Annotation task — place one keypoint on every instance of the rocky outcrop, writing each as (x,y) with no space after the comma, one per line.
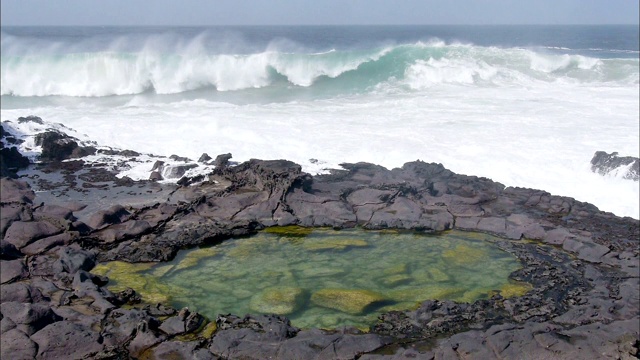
(626,167)
(582,265)
(11,160)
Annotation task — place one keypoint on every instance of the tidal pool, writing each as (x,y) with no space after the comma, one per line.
(324,278)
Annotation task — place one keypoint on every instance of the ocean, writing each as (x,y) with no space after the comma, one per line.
(525,106)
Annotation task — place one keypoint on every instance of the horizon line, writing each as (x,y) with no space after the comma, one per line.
(301,25)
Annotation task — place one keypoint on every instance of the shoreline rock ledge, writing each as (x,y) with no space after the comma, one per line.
(58,222)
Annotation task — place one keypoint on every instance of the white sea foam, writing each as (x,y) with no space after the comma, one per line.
(541,136)
(519,116)
(190,67)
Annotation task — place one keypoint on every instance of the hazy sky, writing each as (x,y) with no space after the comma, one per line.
(315,12)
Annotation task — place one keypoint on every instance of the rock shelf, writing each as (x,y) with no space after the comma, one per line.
(61,219)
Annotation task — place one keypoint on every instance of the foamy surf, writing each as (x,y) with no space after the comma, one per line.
(528,113)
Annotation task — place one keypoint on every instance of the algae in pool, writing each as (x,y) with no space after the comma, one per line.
(324,278)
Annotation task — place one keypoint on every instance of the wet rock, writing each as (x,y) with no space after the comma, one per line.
(349,301)
(30,118)
(179,158)
(66,340)
(11,160)
(204,158)
(56,146)
(155,176)
(222,160)
(277,300)
(628,167)
(176,171)
(334,244)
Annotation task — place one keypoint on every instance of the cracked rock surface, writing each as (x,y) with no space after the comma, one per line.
(581,262)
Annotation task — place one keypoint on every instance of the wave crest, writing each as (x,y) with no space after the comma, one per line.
(418,66)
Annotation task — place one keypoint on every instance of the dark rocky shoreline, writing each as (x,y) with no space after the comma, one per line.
(61,218)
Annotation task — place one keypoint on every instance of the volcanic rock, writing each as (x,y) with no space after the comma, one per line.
(604,163)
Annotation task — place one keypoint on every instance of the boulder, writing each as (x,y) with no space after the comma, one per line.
(21,233)
(29,318)
(56,146)
(628,167)
(113,215)
(277,300)
(73,259)
(67,340)
(12,270)
(348,301)
(16,345)
(15,191)
(222,160)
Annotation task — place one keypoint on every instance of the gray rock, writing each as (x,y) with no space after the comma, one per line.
(176,171)
(16,345)
(66,340)
(114,215)
(6,324)
(12,270)
(56,146)
(22,233)
(604,164)
(204,158)
(170,350)
(144,339)
(8,251)
(15,191)
(222,160)
(28,318)
(73,259)
(48,243)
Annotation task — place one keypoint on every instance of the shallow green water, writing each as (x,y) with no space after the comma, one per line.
(324,278)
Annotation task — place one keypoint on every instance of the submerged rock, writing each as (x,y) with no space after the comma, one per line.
(277,300)
(348,301)
(334,244)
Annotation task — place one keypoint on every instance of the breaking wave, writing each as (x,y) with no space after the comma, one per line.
(47,72)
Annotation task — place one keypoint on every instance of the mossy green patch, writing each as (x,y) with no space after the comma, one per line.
(333,244)
(277,300)
(321,277)
(465,254)
(395,280)
(290,230)
(515,288)
(345,300)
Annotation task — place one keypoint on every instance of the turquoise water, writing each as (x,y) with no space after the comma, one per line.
(324,278)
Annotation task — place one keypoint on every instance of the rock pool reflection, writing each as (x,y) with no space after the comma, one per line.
(324,278)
